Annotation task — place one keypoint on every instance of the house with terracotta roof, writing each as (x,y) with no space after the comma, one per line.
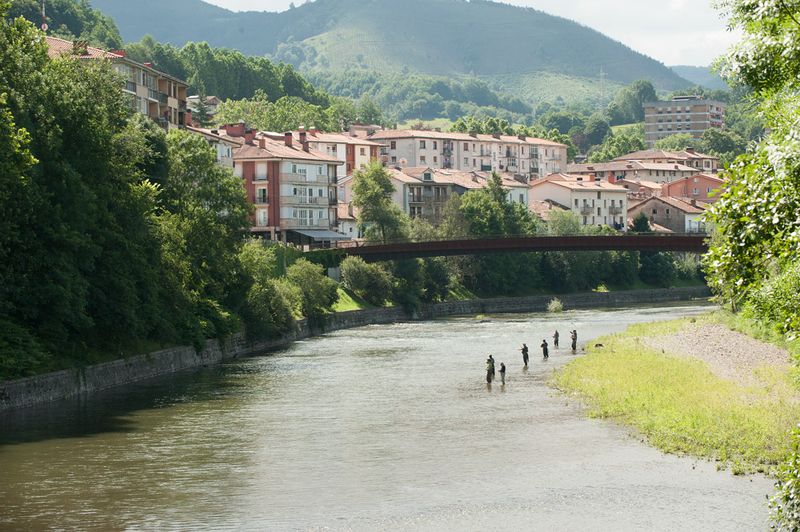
(525,156)
(292,188)
(688,157)
(223,145)
(633,171)
(593,201)
(640,189)
(677,215)
(702,187)
(152,93)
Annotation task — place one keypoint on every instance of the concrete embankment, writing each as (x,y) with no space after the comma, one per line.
(71,382)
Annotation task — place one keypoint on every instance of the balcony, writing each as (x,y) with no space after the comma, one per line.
(262,201)
(130,86)
(586,209)
(162,98)
(152,94)
(615,210)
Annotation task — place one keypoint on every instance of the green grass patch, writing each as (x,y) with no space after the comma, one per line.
(680,406)
(622,128)
(348,302)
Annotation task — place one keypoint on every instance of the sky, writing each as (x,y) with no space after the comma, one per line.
(675,32)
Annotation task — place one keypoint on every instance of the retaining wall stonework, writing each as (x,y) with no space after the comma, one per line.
(71,382)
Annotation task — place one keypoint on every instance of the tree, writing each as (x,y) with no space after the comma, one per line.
(596,130)
(378,215)
(370,282)
(641,224)
(319,293)
(617,145)
(676,142)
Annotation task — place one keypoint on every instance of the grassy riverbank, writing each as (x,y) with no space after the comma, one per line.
(680,405)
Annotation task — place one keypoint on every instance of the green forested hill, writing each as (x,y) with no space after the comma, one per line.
(703,76)
(509,47)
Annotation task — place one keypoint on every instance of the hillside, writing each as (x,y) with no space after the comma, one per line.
(703,76)
(509,47)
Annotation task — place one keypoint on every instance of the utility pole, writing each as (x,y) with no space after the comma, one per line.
(44,17)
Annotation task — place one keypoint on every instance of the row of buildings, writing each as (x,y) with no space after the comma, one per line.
(300,182)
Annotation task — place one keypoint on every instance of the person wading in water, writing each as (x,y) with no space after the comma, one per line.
(574,336)
(524,354)
(555,339)
(502,373)
(489,370)
(545,351)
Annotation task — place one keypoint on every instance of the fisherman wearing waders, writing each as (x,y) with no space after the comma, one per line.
(502,373)
(489,369)
(524,354)
(555,340)
(545,351)
(574,336)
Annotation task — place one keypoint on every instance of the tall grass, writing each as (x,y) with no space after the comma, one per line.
(681,406)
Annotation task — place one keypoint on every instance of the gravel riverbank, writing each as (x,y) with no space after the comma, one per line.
(729,354)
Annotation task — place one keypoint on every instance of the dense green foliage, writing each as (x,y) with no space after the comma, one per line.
(71,19)
(370,282)
(627,105)
(785,504)
(618,144)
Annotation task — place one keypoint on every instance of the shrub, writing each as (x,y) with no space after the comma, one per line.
(436,280)
(601,288)
(555,306)
(21,355)
(777,301)
(318,292)
(370,282)
(269,311)
(657,269)
(785,504)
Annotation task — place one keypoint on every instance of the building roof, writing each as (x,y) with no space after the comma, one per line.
(266,148)
(578,182)
(622,166)
(710,177)
(641,183)
(335,138)
(645,155)
(544,208)
(684,205)
(343,212)
(393,134)
(60,47)
(214,134)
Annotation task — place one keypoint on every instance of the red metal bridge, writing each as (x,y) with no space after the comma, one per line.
(692,243)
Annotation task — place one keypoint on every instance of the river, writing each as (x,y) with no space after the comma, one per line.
(384,427)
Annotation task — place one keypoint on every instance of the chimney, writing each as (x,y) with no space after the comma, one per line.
(689,150)
(313,130)
(522,137)
(120,53)
(694,203)
(303,138)
(234,130)
(287,138)
(187,118)
(262,142)
(249,135)
(148,65)
(496,135)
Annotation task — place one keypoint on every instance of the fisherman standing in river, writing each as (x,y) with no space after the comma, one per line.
(502,373)
(524,354)
(574,336)
(545,351)
(555,339)
(489,369)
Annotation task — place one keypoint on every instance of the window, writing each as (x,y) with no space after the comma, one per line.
(422,144)
(466,161)
(320,192)
(522,198)
(474,163)
(363,151)
(598,211)
(666,212)
(576,202)
(708,190)
(393,145)
(466,146)
(394,159)
(261,218)
(694,192)
(261,196)
(435,145)
(435,159)
(427,176)
(422,158)
(655,211)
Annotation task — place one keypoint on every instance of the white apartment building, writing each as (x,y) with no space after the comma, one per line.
(594,202)
(633,171)
(526,156)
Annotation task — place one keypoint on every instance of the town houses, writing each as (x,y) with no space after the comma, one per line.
(300,182)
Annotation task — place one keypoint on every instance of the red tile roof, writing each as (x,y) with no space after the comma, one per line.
(60,47)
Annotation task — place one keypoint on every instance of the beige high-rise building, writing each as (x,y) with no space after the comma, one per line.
(684,114)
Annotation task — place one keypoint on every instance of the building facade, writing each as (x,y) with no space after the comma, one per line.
(633,170)
(702,187)
(525,156)
(677,215)
(353,152)
(689,157)
(593,202)
(292,188)
(684,114)
(154,94)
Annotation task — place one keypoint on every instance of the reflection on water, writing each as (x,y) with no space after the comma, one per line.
(384,427)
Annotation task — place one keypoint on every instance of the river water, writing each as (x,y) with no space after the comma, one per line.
(384,427)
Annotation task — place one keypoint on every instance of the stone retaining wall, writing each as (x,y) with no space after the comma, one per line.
(67,383)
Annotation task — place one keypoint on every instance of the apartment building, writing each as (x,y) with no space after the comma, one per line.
(150,92)
(684,114)
(352,151)
(639,190)
(633,171)
(422,192)
(594,202)
(688,157)
(677,215)
(292,188)
(525,156)
(702,187)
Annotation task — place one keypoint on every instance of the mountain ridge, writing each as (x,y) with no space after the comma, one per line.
(496,42)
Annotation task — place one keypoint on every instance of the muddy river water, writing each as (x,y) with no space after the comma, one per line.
(378,428)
